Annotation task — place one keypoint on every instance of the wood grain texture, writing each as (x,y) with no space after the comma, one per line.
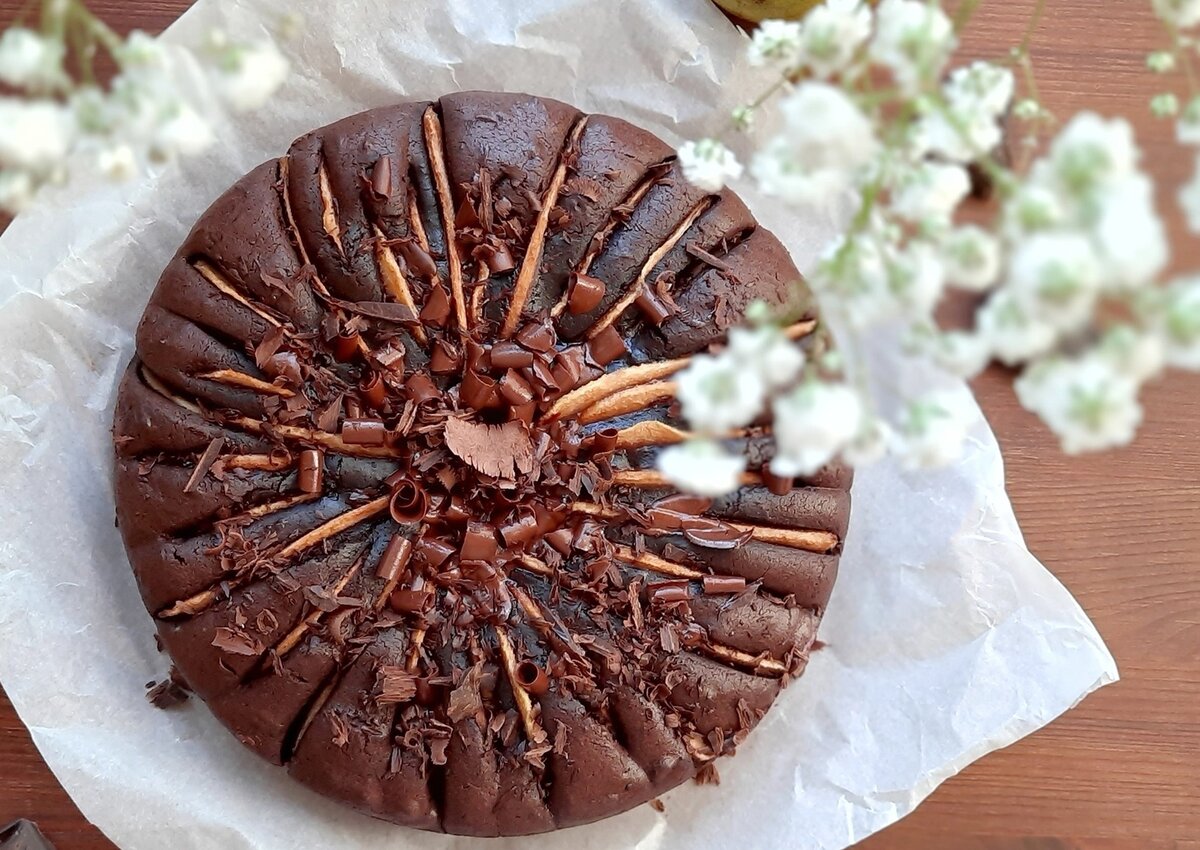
(1122,530)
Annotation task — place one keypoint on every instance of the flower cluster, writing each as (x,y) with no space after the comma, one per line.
(1067,266)
(141,117)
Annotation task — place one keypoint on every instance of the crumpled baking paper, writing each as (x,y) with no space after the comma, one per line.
(946,638)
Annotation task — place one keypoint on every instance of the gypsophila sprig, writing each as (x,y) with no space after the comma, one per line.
(878,114)
(58,118)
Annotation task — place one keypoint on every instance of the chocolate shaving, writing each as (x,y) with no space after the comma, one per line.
(394,685)
(502,451)
(170,692)
(204,463)
(718,536)
(704,256)
(341,732)
(384,311)
(328,416)
(270,344)
(465,700)
(236,643)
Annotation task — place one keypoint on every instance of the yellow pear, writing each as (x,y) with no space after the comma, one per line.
(761,10)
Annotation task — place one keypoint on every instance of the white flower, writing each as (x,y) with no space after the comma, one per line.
(856,273)
(1085,401)
(1187,129)
(142,50)
(1012,334)
(930,192)
(1178,13)
(933,428)
(1181,324)
(961,353)
(1092,153)
(1161,62)
(832,34)
(27,60)
(971,256)
(35,135)
(827,141)
(718,394)
(708,164)
(775,44)
(1138,355)
(767,351)
(916,277)
(248,76)
(117,162)
(701,467)
(870,443)
(183,133)
(1130,235)
(1189,199)
(812,424)
(1032,208)
(980,87)
(1164,105)
(16,191)
(914,39)
(1056,277)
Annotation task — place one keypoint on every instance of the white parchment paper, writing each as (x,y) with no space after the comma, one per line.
(946,638)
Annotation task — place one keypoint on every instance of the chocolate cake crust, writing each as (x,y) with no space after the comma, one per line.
(385,469)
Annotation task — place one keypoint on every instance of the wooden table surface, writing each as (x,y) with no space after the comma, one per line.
(1121,530)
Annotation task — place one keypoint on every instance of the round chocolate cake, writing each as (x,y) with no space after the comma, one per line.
(386,469)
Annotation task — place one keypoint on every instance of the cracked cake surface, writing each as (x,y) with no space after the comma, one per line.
(385,469)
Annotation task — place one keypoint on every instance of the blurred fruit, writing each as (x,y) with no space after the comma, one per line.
(760,10)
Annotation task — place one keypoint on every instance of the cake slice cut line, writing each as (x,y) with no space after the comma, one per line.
(432,127)
(234,378)
(223,285)
(531,262)
(395,282)
(636,288)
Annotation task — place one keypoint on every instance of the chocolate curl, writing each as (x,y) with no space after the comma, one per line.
(584,294)
(478,391)
(421,388)
(312,471)
(456,511)
(668,592)
(607,346)
(532,678)
(521,530)
(510,355)
(437,307)
(446,359)
(373,390)
(777,484)
(524,412)
(719,585)
(381,178)
(652,307)
(345,345)
(515,390)
(364,432)
(479,543)
(433,551)
(408,501)
(537,336)
(602,442)
(410,601)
